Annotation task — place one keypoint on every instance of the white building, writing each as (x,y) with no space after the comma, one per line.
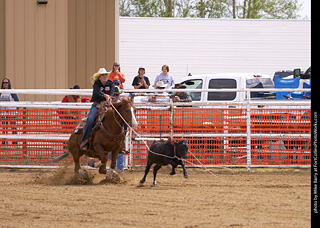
(212,46)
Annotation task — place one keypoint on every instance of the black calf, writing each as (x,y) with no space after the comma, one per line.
(164,154)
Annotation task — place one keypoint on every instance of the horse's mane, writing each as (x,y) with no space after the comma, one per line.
(110,111)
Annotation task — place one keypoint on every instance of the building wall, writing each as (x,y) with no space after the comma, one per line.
(93,38)
(56,45)
(2,39)
(36,45)
(200,46)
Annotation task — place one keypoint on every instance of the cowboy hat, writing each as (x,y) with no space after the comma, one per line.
(159,84)
(103,71)
(100,72)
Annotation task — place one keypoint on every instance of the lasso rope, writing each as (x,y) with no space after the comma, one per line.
(166,155)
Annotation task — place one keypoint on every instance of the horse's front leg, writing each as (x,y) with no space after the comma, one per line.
(76,164)
(103,159)
(114,156)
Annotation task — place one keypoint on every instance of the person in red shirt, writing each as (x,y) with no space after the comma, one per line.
(116,74)
(69,119)
(75,98)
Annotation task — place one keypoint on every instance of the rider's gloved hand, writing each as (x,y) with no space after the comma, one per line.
(108,98)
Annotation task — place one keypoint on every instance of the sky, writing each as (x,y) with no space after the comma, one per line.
(306,9)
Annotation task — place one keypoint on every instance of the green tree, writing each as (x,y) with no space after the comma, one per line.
(269,9)
(211,9)
(275,9)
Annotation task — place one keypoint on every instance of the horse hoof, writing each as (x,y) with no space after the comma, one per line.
(102,170)
(110,174)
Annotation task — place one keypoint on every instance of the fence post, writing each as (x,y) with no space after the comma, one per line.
(248,132)
(171,119)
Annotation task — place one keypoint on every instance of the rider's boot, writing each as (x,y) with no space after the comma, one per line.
(84,145)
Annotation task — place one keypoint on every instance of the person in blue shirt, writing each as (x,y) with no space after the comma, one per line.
(165,77)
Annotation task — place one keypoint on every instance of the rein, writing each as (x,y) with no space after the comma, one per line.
(175,156)
(109,134)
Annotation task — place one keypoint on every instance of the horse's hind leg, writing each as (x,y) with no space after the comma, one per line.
(74,150)
(76,159)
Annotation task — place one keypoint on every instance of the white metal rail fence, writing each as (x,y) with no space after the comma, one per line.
(264,133)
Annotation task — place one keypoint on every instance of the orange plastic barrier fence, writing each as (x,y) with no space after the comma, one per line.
(216,136)
(279,137)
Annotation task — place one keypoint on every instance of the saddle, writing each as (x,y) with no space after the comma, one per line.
(80,128)
(98,125)
(98,120)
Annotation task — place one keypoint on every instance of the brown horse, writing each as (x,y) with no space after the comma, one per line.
(108,137)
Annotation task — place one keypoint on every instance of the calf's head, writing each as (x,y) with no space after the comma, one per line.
(181,148)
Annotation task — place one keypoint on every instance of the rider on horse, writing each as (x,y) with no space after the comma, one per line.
(103,89)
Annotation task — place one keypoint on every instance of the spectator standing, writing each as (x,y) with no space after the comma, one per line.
(116,74)
(6,84)
(8,118)
(141,81)
(165,77)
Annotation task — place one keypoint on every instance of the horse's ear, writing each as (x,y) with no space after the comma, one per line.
(132,97)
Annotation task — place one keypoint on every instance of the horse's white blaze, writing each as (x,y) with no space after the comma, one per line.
(134,121)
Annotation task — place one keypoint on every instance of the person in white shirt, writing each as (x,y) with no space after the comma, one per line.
(165,77)
(159,85)
(6,84)
(8,117)
(154,98)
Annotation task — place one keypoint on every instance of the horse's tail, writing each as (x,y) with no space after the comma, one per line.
(57,159)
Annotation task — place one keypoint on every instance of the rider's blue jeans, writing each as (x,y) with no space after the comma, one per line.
(90,122)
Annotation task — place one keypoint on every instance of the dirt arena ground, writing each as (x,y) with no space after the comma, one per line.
(51,198)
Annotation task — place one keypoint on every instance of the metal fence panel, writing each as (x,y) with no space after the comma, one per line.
(217,136)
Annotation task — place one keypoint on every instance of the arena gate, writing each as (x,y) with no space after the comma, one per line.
(249,134)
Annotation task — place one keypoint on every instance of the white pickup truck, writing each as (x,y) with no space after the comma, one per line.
(226,81)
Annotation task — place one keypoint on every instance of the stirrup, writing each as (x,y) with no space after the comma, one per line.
(84,145)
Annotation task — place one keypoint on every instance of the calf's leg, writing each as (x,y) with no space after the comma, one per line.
(184,169)
(146,172)
(173,171)
(155,170)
